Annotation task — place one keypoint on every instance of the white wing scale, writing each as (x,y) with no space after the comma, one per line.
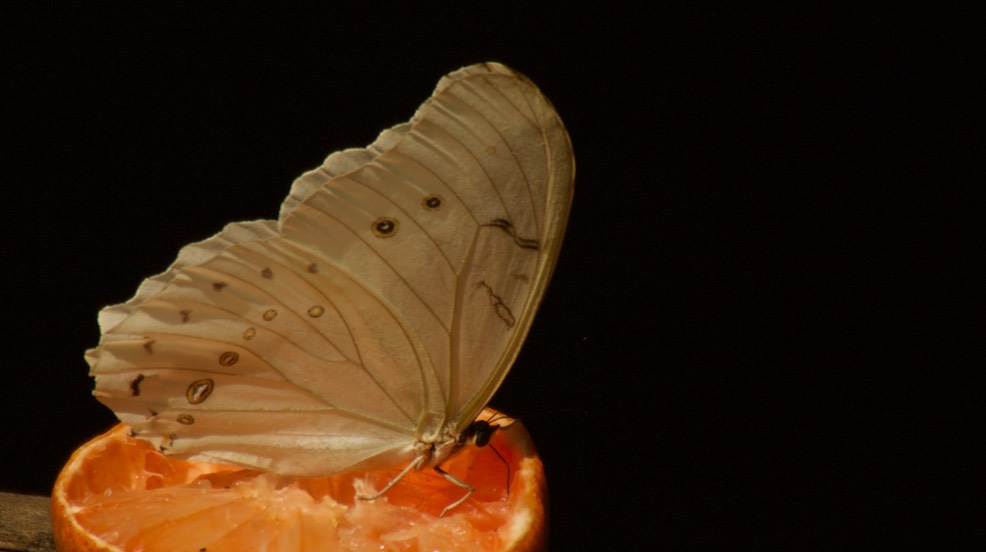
(380,313)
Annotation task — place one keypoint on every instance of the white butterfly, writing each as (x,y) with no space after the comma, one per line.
(370,324)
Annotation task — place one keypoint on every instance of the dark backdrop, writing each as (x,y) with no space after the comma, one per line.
(715,360)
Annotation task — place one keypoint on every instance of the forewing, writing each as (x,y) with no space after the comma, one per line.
(478,185)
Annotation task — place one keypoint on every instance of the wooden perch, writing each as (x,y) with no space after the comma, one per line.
(25,523)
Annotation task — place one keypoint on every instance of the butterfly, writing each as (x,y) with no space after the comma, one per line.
(371,323)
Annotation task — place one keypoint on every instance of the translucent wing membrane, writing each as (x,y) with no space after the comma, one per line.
(382,310)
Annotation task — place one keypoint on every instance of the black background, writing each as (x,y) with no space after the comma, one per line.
(724,355)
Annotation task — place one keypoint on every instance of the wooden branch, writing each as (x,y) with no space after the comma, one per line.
(25,523)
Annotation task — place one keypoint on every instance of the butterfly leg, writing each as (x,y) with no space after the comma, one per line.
(413,465)
(469,488)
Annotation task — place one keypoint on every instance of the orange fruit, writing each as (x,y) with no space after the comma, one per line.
(119,493)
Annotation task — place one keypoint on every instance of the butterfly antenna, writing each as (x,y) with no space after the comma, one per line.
(505,463)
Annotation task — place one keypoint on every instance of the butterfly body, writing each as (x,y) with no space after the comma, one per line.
(370,324)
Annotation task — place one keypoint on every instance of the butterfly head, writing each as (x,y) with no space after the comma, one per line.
(480,432)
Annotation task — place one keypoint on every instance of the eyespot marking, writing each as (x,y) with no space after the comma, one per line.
(199,390)
(270,314)
(186,419)
(266,273)
(385,227)
(249,333)
(316,311)
(433,202)
(228,358)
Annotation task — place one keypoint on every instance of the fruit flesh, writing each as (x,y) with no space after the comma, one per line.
(125,492)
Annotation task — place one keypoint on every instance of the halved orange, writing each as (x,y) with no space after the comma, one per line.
(120,493)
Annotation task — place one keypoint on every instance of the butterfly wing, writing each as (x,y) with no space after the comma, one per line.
(515,179)
(387,303)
